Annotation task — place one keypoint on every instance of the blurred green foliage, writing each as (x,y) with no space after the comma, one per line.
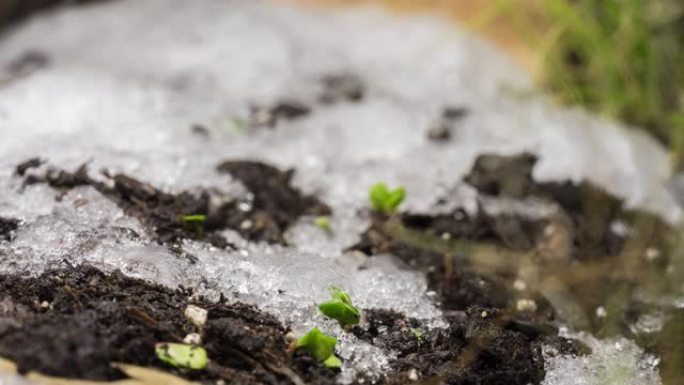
(622,58)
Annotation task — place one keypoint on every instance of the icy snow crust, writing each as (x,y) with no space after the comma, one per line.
(612,362)
(127,80)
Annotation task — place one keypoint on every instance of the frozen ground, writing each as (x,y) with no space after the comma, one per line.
(126,81)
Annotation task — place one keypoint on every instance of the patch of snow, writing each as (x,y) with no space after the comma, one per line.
(611,362)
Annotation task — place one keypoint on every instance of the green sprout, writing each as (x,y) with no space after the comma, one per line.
(323,223)
(194,219)
(340,308)
(418,333)
(194,222)
(182,356)
(333,362)
(321,346)
(385,200)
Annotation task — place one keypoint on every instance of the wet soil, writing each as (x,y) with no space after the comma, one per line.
(275,205)
(343,87)
(480,346)
(269,116)
(473,262)
(441,129)
(76,321)
(599,221)
(13,11)
(590,248)
(7,228)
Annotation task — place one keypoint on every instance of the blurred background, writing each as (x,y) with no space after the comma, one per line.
(620,58)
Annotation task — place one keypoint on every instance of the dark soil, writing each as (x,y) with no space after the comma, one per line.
(7,228)
(592,211)
(441,130)
(342,88)
(269,116)
(27,165)
(275,205)
(481,346)
(75,322)
(26,64)
(446,246)
(13,11)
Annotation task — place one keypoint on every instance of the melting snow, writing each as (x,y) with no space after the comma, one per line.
(612,362)
(126,81)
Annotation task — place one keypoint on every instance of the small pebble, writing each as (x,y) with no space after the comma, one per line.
(526,305)
(601,312)
(193,339)
(652,254)
(413,375)
(519,285)
(196,315)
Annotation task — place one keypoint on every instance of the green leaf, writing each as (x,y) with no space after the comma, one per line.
(182,355)
(339,295)
(318,344)
(194,218)
(323,223)
(385,200)
(340,308)
(333,362)
(395,198)
(418,333)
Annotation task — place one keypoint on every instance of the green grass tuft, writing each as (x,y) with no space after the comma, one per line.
(622,58)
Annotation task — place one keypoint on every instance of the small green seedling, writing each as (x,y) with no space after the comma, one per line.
(323,223)
(182,356)
(321,346)
(418,333)
(340,308)
(197,219)
(385,200)
(194,222)
(333,362)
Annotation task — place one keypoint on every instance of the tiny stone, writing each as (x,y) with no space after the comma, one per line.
(192,339)
(484,314)
(601,312)
(413,375)
(246,224)
(652,254)
(439,131)
(526,305)
(519,285)
(453,113)
(45,304)
(244,207)
(196,315)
